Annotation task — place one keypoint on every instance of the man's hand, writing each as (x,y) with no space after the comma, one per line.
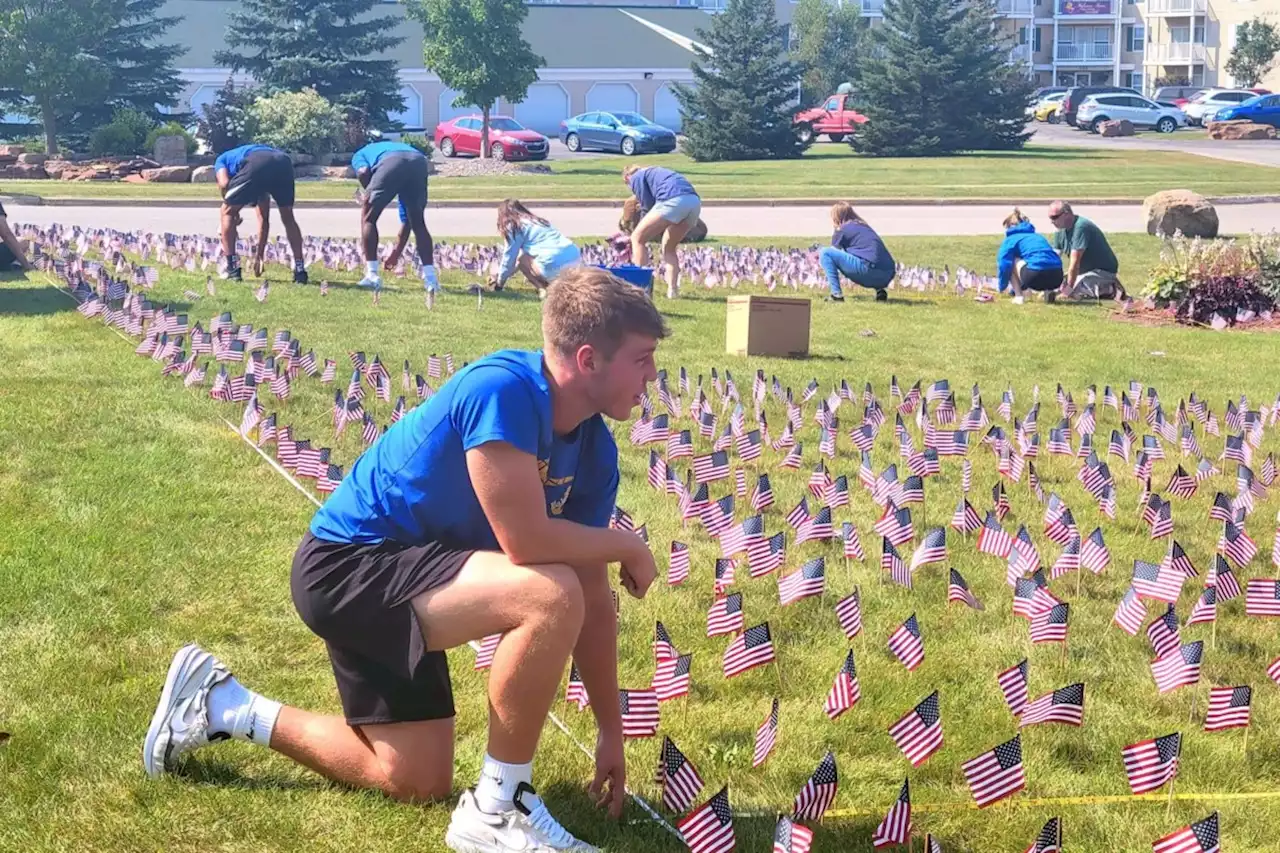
(638,570)
(610,783)
(393,259)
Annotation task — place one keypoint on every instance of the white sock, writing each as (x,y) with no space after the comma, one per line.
(238,711)
(371,267)
(496,790)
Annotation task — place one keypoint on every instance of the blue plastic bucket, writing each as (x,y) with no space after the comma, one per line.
(641,277)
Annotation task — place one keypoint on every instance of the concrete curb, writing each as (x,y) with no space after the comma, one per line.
(40,201)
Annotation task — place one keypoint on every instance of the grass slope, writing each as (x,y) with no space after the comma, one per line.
(135,522)
(828,171)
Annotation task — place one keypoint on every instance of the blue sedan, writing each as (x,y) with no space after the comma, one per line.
(1264,109)
(629,133)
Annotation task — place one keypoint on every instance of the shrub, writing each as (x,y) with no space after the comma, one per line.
(1201,278)
(419,141)
(124,136)
(300,122)
(170,129)
(227,123)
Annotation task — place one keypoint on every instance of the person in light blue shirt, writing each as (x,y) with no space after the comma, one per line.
(672,208)
(483,513)
(386,171)
(533,246)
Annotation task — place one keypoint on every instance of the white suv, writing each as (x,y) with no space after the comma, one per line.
(1212,100)
(1140,111)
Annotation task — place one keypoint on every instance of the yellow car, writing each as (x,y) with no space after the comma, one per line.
(1048,109)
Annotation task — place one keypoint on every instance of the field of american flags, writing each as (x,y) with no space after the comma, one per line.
(138,521)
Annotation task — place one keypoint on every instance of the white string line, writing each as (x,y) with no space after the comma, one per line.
(475,645)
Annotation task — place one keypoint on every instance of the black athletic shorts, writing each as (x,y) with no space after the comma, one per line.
(1041,280)
(262,173)
(357,599)
(402,174)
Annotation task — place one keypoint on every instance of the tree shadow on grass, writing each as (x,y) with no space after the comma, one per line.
(32,301)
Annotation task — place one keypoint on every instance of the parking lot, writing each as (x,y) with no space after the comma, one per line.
(1190,140)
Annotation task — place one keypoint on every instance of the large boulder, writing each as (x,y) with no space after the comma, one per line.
(1172,211)
(32,159)
(1123,127)
(1240,129)
(56,168)
(23,172)
(303,159)
(167,175)
(10,154)
(340,172)
(203,175)
(170,150)
(309,170)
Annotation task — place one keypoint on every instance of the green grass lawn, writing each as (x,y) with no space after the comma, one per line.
(135,521)
(826,172)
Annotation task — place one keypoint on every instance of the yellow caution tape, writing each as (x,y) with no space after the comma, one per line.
(1060,801)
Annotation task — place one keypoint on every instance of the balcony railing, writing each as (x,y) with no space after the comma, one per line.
(873,7)
(1177,53)
(1176,7)
(1020,54)
(1080,8)
(1016,8)
(1085,53)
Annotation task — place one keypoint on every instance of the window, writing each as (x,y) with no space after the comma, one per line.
(1179,35)
(1198,35)
(1135,36)
(1133,79)
(1036,45)
(831,105)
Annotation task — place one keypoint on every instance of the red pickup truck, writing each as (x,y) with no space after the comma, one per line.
(836,118)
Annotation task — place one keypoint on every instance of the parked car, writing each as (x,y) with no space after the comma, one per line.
(1176,95)
(630,133)
(1045,91)
(1140,111)
(1075,97)
(508,138)
(1212,100)
(1262,109)
(836,118)
(1048,108)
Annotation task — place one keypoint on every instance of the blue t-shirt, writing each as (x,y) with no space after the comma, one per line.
(412,485)
(368,156)
(232,160)
(652,184)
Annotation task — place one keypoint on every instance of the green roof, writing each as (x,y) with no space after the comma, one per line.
(565,36)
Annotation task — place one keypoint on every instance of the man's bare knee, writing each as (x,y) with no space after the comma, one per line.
(554,592)
(412,782)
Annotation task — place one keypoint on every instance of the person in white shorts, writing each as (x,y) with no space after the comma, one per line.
(672,207)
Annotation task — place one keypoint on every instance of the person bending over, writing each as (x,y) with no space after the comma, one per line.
(386,171)
(532,245)
(1092,268)
(13,252)
(1026,261)
(857,253)
(255,174)
(671,206)
(483,511)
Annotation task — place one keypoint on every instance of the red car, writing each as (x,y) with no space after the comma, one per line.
(508,139)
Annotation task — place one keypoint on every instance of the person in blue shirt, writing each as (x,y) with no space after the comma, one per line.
(387,171)
(1026,261)
(482,512)
(532,245)
(857,253)
(672,207)
(253,175)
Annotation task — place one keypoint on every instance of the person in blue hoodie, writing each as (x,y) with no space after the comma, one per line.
(1026,261)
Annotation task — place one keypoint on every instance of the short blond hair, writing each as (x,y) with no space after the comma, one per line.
(590,305)
(630,170)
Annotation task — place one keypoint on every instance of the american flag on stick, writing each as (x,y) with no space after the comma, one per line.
(919,733)
(932,549)
(1262,597)
(726,615)
(1149,764)
(849,615)
(1199,837)
(640,715)
(906,643)
(1228,708)
(809,580)
(671,680)
(709,828)
(958,590)
(753,648)
(677,777)
(1064,705)
(1178,668)
(996,774)
(818,793)
(1050,838)
(896,826)
(1013,685)
(766,736)
(789,837)
(1050,626)
(845,691)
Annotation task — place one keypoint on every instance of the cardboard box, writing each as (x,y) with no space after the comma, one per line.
(767,325)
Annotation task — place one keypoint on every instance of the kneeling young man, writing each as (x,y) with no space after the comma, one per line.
(253,175)
(483,511)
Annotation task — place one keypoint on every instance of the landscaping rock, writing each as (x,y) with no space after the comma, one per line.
(303,159)
(203,175)
(23,172)
(341,159)
(55,168)
(339,172)
(1240,130)
(309,170)
(134,178)
(170,151)
(10,154)
(167,175)
(1184,211)
(32,159)
(1123,127)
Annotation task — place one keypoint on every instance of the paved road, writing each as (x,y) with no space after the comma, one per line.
(597,221)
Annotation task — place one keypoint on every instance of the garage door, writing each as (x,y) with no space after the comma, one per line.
(411,116)
(666,109)
(543,108)
(448,110)
(613,98)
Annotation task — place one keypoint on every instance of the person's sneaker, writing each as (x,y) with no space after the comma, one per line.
(672,292)
(300,277)
(832,298)
(371,280)
(882,295)
(230,273)
(1050,297)
(1018,300)
(181,721)
(528,828)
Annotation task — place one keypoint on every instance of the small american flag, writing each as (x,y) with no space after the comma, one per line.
(1131,612)
(679,779)
(993,539)
(958,590)
(1050,625)
(762,494)
(845,690)
(851,541)
(709,828)
(849,615)
(1013,684)
(1206,607)
(575,691)
(724,575)
(1050,838)
(891,562)
(1236,544)
(1262,597)
(766,737)
(1199,837)
(1228,708)
(906,643)
(1150,582)
(1178,668)
(932,548)
(663,648)
(965,519)
(726,615)
(1163,632)
(919,733)
(678,566)
(896,826)
(1065,705)
(809,580)
(1223,579)
(671,680)
(753,648)
(996,774)
(818,793)
(1094,554)
(1149,764)
(484,654)
(639,713)
(791,837)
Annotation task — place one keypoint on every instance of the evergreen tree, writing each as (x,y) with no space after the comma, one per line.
(825,42)
(1257,43)
(936,79)
(743,103)
(143,73)
(326,45)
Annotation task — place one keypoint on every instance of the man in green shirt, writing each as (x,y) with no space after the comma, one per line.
(1091,266)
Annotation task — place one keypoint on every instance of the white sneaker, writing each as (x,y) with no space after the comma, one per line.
(1018,300)
(371,280)
(672,292)
(181,721)
(524,829)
